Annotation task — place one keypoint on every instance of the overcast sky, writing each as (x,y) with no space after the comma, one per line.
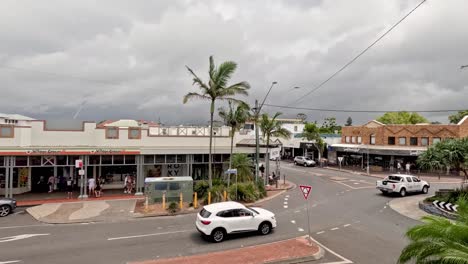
(126,59)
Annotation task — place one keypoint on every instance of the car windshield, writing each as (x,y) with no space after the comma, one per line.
(253,210)
(307,158)
(394,178)
(204,213)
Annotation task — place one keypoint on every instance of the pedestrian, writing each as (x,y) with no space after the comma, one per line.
(51,183)
(408,168)
(91,186)
(262,170)
(398,167)
(126,180)
(98,190)
(70,187)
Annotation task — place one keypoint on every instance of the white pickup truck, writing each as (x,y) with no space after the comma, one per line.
(402,184)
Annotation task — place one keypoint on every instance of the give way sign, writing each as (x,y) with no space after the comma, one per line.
(305,189)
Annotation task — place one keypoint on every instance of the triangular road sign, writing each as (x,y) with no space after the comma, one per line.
(305,189)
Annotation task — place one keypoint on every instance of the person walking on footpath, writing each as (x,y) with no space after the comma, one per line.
(262,170)
(51,183)
(398,167)
(70,187)
(98,190)
(408,168)
(91,185)
(126,183)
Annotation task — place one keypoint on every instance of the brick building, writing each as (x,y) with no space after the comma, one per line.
(388,145)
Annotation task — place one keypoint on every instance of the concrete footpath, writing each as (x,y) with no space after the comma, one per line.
(295,250)
(409,206)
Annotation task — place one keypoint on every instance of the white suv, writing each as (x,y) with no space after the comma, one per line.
(306,162)
(217,220)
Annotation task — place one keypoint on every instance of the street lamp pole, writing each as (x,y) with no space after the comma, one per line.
(257,110)
(367,159)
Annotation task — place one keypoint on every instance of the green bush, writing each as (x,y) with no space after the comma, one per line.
(201,188)
(173,208)
(261,188)
(247,191)
(450,197)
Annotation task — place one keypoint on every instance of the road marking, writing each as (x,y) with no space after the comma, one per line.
(10,261)
(345,260)
(18,237)
(17,213)
(300,229)
(22,226)
(287,196)
(335,228)
(321,232)
(355,182)
(285,203)
(297,211)
(346,225)
(385,207)
(292,221)
(147,235)
(314,205)
(285,206)
(355,188)
(286,199)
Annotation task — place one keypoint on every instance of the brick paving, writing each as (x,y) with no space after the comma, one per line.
(296,248)
(65,200)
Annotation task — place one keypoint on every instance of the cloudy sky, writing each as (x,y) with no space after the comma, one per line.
(126,59)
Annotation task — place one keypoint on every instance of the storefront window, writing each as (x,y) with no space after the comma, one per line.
(94,160)
(61,160)
(181,158)
(72,159)
(160,159)
(2,161)
(106,159)
(435,140)
(170,158)
(217,157)
(198,158)
(359,140)
(149,159)
(347,139)
(130,159)
(424,141)
(413,141)
(206,158)
(118,159)
(21,161)
(402,141)
(353,139)
(391,140)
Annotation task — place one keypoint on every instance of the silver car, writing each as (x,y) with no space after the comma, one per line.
(7,205)
(304,161)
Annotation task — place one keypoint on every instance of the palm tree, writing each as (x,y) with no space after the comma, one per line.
(439,240)
(271,128)
(235,118)
(312,133)
(217,88)
(243,164)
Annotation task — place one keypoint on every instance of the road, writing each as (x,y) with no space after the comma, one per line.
(348,217)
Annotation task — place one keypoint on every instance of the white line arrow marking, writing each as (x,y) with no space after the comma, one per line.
(18,237)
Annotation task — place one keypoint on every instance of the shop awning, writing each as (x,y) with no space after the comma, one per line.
(378,150)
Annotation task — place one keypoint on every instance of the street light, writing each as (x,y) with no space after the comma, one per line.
(257,110)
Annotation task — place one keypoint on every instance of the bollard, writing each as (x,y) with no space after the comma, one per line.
(146,203)
(284,179)
(209,197)
(195,200)
(164,201)
(224,196)
(181,202)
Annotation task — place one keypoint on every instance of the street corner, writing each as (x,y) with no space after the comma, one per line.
(296,250)
(409,206)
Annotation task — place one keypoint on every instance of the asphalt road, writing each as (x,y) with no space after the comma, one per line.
(348,217)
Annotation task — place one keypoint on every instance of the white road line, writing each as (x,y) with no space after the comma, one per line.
(346,225)
(385,207)
(355,182)
(285,203)
(300,229)
(286,199)
(22,226)
(345,260)
(321,232)
(298,211)
(287,196)
(147,235)
(10,261)
(335,228)
(314,205)
(292,221)
(285,206)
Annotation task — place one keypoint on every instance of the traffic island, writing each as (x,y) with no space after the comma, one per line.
(296,250)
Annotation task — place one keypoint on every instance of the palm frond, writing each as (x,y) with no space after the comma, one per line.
(192,96)
(224,73)
(197,80)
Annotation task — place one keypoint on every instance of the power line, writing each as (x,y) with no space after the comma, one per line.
(359,55)
(362,111)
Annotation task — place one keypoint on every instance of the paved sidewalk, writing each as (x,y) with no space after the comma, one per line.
(295,250)
(409,206)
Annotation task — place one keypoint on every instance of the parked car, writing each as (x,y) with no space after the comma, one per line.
(7,206)
(304,161)
(216,221)
(402,184)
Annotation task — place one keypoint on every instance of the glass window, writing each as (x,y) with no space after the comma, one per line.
(206,158)
(112,132)
(348,139)
(2,161)
(181,158)
(95,159)
(106,159)
(359,140)
(21,161)
(149,159)
(295,128)
(424,141)
(402,140)
(391,140)
(170,158)
(118,159)
(217,157)
(227,213)
(353,139)
(6,131)
(61,160)
(72,159)
(174,186)
(372,139)
(134,133)
(204,213)
(436,140)
(416,179)
(413,141)
(160,186)
(130,159)
(35,160)
(198,158)
(160,159)
(409,179)
(243,212)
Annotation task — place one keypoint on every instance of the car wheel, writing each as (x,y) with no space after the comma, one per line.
(295,163)
(264,228)
(403,192)
(218,235)
(4,210)
(425,190)
(305,164)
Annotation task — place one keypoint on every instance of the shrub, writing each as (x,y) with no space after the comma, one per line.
(202,188)
(246,192)
(261,188)
(173,208)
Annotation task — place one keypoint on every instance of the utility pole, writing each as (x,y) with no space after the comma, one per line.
(257,147)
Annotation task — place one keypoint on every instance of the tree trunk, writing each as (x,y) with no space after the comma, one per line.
(230,157)
(210,173)
(267,160)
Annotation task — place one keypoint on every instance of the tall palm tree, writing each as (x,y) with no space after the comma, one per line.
(243,164)
(235,118)
(312,133)
(439,240)
(271,128)
(217,88)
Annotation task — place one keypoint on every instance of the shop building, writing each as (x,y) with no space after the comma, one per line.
(31,151)
(387,145)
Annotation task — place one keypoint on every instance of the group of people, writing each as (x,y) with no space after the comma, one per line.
(94,187)
(407,167)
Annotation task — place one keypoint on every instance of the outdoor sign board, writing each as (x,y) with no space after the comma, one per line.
(305,189)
